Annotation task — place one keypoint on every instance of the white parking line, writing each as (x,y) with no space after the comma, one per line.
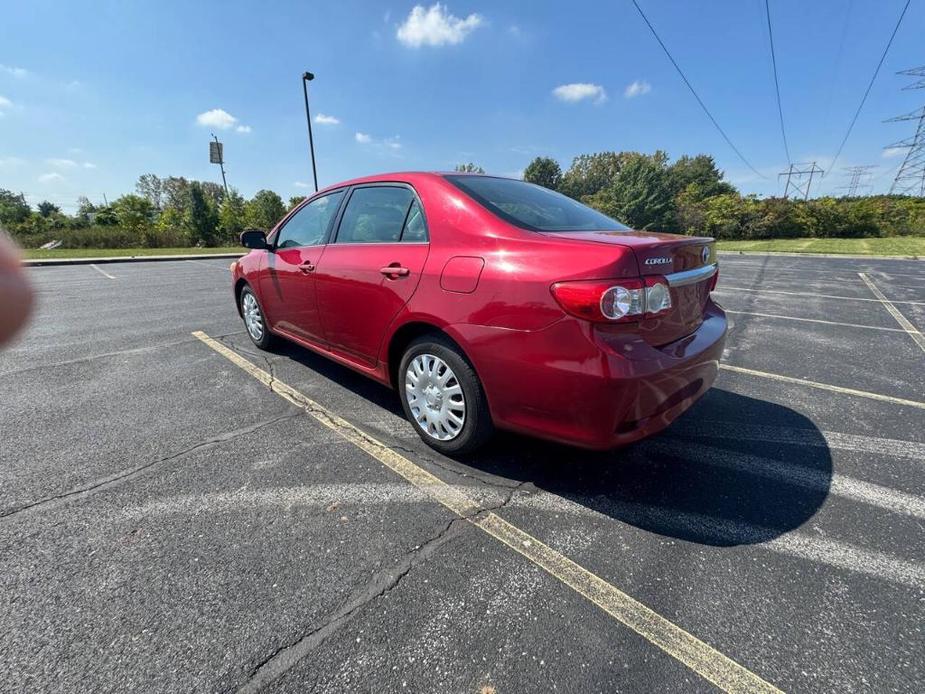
(814,549)
(824,386)
(813,320)
(799,475)
(101,271)
(208,264)
(900,318)
(725,289)
(739,431)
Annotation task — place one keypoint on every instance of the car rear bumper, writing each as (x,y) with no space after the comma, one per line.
(593,387)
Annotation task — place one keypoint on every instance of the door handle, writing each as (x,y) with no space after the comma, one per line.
(395,270)
(307,266)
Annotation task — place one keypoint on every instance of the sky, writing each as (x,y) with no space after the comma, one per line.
(93,94)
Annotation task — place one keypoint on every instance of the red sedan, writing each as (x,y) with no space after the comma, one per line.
(490,302)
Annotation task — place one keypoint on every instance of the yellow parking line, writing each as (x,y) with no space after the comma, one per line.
(700,657)
(900,318)
(824,386)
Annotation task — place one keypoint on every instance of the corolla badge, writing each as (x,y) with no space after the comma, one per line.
(659,260)
(705,254)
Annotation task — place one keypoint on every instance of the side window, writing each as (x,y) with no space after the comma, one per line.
(375,215)
(415,231)
(309,225)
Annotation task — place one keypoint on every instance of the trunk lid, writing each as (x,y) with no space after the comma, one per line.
(663,254)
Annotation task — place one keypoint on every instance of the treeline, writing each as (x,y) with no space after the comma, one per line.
(689,196)
(646,191)
(161,213)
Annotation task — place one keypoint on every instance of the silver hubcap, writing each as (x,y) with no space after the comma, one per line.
(252,318)
(435,397)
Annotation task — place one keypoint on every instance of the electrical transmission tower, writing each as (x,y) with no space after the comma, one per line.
(795,179)
(858,175)
(910,178)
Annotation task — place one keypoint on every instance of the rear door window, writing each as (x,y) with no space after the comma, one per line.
(415,230)
(375,214)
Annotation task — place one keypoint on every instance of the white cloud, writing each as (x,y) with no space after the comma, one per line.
(362,138)
(435,26)
(50,177)
(323,119)
(89,165)
(578,91)
(5,104)
(61,163)
(637,88)
(392,142)
(216,118)
(17,72)
(891,152)
(243,129)
(302,184)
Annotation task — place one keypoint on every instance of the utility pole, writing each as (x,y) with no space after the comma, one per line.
(858,174)
(306,78)
(795,174)
(910,178)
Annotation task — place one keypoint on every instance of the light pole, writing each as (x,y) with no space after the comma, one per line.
(306,78)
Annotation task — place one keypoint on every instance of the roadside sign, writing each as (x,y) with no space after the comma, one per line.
(215,153)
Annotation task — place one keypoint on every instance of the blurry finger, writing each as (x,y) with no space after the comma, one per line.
(15,291)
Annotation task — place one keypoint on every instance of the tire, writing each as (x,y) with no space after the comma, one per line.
(255,321)
(435,405)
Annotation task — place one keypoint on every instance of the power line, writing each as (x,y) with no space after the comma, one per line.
(780,110)
(871,84)
(694,92)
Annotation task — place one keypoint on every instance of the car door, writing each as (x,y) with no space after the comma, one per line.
(287,286)
(371,268)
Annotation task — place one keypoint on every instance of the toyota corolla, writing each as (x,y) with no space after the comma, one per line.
(491,303)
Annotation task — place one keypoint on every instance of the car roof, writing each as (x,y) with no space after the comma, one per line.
(402,177)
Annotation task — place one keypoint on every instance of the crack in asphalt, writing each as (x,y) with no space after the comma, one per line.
(383,582)
(131,473)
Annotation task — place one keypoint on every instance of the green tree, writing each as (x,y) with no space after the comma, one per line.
(295,200)
(231,215)
(47,209)
(640,195)
(545,172)
(213,191)
(700,170)
(201,216)
(151,187)
(264,210)
(469,168)
(176,193)
(134,213)
(13,208)
(590,173)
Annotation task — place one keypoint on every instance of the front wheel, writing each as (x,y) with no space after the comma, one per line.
(442,396)
(254,320)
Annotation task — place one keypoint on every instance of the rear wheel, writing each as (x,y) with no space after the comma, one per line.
(254,319)
(442,396)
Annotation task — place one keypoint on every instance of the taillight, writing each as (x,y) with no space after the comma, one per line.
(613,301)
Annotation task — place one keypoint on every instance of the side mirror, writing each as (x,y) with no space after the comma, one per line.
(254,238)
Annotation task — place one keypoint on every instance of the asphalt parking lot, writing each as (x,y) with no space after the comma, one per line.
(168,522)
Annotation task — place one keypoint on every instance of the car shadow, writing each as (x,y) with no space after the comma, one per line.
(732,470)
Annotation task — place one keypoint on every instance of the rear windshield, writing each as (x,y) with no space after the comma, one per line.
(533,207)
